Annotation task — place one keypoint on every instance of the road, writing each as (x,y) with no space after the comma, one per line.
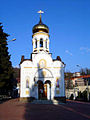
(72,110)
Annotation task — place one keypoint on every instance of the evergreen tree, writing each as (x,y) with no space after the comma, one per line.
(6,72)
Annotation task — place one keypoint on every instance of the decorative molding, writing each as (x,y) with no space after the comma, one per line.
(44,67)
(35,48)
(56,67)
(42,63)
(27,67)
(27,92)
(40,33)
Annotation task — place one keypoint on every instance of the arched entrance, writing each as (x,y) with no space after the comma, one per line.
(40,90)
(43,78)
(44,90)
(48,86)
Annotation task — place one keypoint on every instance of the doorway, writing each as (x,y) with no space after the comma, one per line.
(48,84)
(44,90)
(40,90)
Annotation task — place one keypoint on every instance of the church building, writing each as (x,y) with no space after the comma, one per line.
(41,76)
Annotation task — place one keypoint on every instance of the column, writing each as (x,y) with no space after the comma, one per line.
(48,45)
(33,44)
(44,44)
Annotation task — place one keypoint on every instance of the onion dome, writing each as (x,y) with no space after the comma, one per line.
(40,27)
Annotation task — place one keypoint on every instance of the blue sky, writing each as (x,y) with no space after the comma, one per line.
(68,22)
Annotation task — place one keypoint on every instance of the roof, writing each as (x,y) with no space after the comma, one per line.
(22,59)
(82,76)
(40,26)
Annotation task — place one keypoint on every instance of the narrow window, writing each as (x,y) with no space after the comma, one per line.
(46,43)
(27,83)
(57,83)
(41,42)
(35,43)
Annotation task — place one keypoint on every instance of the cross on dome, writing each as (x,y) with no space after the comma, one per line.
(40,26)
(40,12)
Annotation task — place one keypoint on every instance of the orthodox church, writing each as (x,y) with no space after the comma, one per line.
(41,77)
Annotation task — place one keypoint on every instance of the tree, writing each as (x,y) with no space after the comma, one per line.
(6,72)
(68,78)
(16,72)
(85,71)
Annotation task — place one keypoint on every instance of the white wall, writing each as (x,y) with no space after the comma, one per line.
(53,69)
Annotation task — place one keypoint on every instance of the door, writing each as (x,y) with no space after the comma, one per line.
(45,91)
(40,90)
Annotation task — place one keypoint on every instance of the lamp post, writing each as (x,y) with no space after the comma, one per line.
(14,39)
(79,66)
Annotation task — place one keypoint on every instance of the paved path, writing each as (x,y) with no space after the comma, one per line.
(15,110)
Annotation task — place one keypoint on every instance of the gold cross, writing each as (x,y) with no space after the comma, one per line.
(40,12)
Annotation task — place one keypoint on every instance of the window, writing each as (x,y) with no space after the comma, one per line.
(41,42)
(35,43)
(27,83)
(57,83)
(46,43)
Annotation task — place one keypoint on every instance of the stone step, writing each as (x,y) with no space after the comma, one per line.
(45,102)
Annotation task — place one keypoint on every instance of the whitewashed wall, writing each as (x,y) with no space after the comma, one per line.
(30,68)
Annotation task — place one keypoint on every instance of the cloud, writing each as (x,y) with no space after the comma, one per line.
(85,49)
(67,51)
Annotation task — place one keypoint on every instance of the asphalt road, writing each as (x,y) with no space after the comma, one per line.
(15,110)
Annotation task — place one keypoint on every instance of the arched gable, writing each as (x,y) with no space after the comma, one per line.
(43,73)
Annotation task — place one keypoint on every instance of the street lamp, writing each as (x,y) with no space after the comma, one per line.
(12,40)
(79,66)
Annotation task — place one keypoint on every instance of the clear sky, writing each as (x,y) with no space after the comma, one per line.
(68,22)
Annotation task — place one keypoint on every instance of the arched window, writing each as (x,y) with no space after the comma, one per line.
(46,43)
(41,42)
(35,43)
(57,83)
(27,83)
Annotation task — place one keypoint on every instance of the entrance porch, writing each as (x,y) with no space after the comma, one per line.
(44,90)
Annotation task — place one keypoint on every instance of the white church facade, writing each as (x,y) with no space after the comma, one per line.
(41,77)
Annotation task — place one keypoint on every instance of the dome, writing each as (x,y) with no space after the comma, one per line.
(40,27)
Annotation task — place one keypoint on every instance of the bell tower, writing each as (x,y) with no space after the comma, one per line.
(40,37)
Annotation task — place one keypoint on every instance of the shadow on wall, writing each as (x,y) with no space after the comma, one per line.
(43,83)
